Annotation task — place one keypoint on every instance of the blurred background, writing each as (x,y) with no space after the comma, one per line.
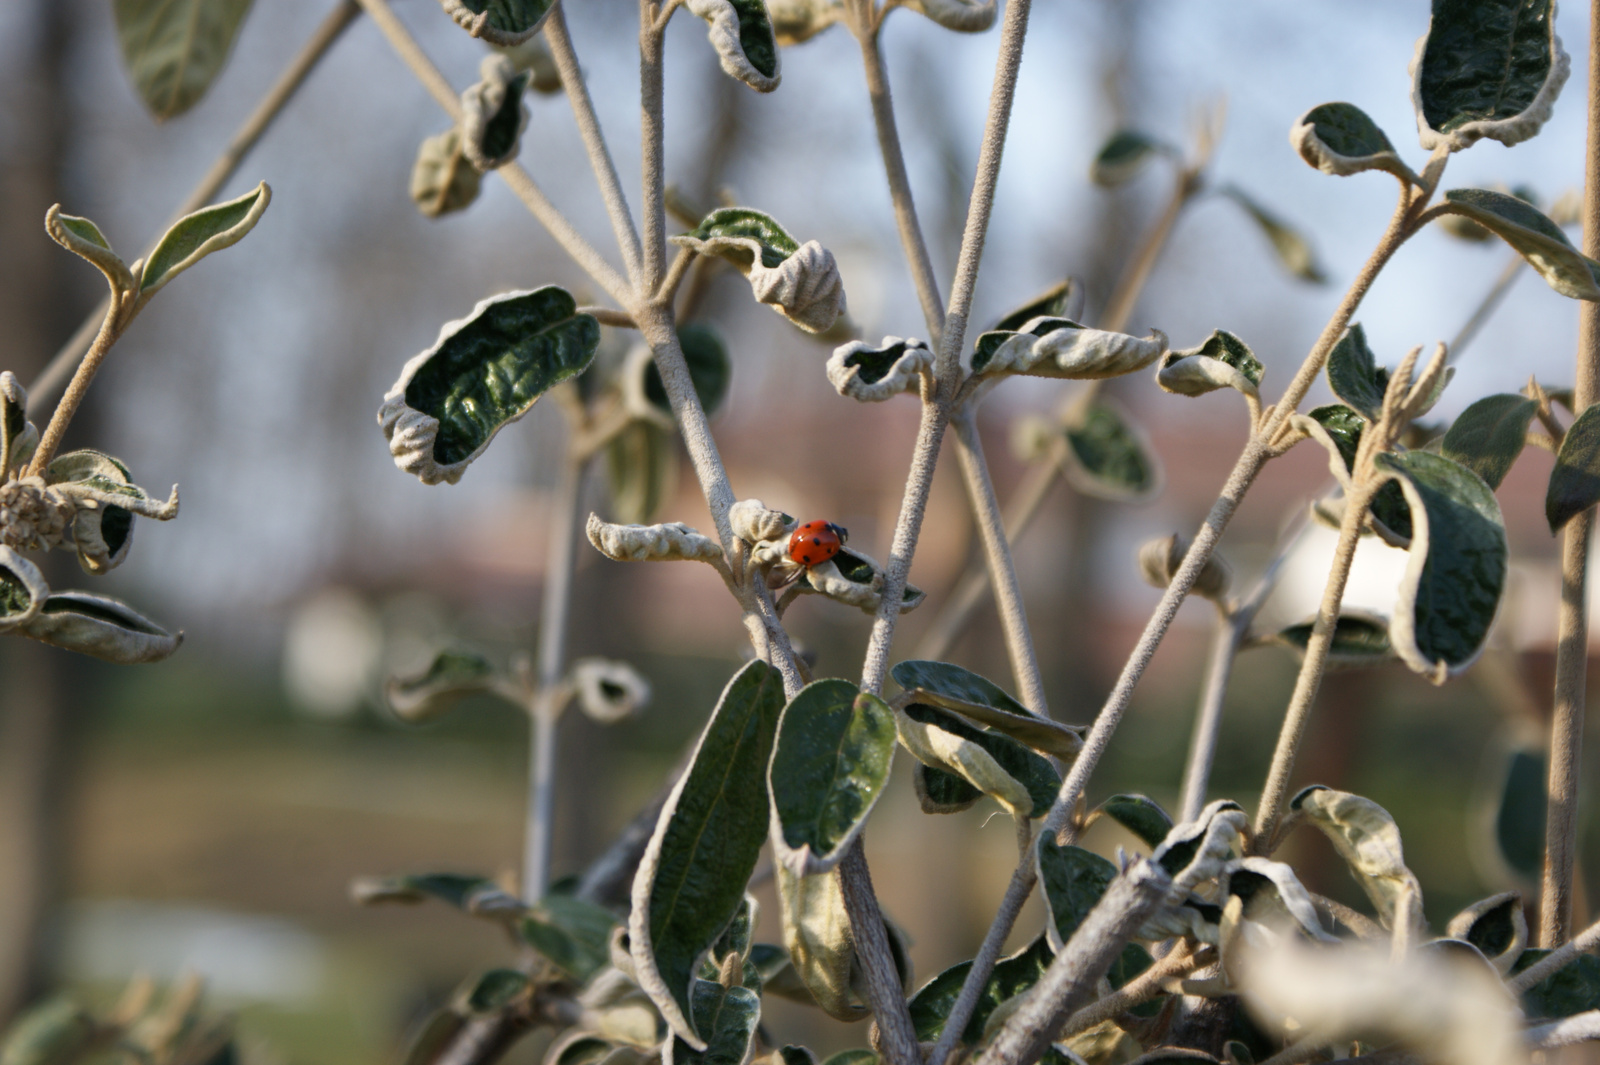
(206,814)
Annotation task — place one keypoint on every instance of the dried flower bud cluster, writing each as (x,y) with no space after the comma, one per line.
(33,515)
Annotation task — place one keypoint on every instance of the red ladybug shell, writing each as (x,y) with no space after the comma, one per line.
(815,542)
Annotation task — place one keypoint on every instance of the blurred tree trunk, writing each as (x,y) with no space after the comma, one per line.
(36,313)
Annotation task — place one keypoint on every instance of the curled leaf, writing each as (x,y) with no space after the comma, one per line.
(1159,561)
(1222,361)
(1456,569)
(830,764)
(1273,895)
(1359,639)
(1367,838)
(986,704)
(1487,69)
(1575,481)
(98,626)
(105,501)
(962,762)
(800,281)
(651,543)
(452,675)
(23,590)
(741,32)
(18,436)
(493,114)
(754,522)
(1533,236)
(963,16)
(83,238)
(1341,139)
(483,373)
(816,931)
(1062,300)
(1195,851)
(1124,155)
(1060,347)
(874,374)
(797,21)
(197,235)
(1496,926)
(609,691)
(855,579)
(443,179)
(502,22)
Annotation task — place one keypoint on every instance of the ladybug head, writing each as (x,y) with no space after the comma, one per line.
(841,532)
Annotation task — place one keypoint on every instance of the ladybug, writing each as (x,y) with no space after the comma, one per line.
(816,541)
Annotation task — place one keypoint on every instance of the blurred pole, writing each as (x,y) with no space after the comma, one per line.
(39,300)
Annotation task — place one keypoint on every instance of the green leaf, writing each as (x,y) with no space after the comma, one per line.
(197,235)
(984,703)
(641,471)
(993,763)
(1121,159)
(1456,571)
(735,939)
(100,627)
(741,33)
(1391,516)
(963,16)
(502,22)
(454,674)
(174,49)
(1222,361)
(1354,374)
(58,1031)
(1533,236)
(1294,251)
(1341,139)
(1366,837)
(1519,820)
(443,179)
(476,895)
(484,372)
(829,765)
(742,233)
(709,368)
(23,591)
(1064,300)
(1108,456)
(1073,880)
(1139,814)
(1060,347)
(1487,68)
(1496,926)
(930,1006)
(1359,639)
(1572,989)
(493,114)
(691,880)
(83,238)
(495,990)
(816,932)
(799,281)
(728,1016)
(1490,434)
(873,374)
(1575,480)
(573,934)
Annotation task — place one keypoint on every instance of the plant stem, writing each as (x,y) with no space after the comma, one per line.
(521,182)
(110,329)
(1311,670)
(935,413)
(594,142)
(239,146)
(1002,569)
(1572,634)
(652,133)
(1141,989)
(894,165)
(1126,295)
(566,531)
(886,996)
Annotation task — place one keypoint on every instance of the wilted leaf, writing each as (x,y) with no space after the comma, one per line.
(855,579)
(1575,480)
(671,542)
(1490,434)
(993,764)
(1341,139)
(484,372)
(1496,926)
(454,674)
(1366,837)
(572,933)
(874,374)
(1487,68)
(493,114)
(197,235)
(1123,156)
(641,470)
(800,281)
(1222,361)
(1456,570)
(829,765)
(105,500)
(608,691)
(816,931)
(1108,455)
(1139,814)
(931,1005)
(984,703)
(691,880)
(502,22)
(1273,896)
(1294,251)
(1060,347)
(443,179)
(742,34)
(1160,560)
(174,49)
(100,627)
(23,590)
(1197,850)
(1533,236)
